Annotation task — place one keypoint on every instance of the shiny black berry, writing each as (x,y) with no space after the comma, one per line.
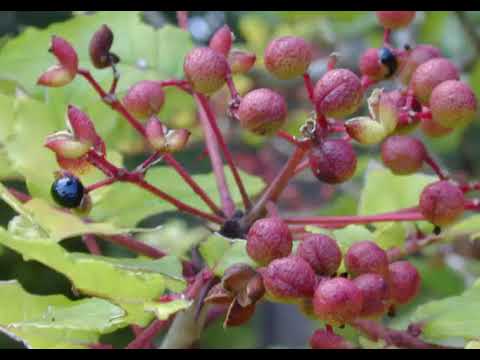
(388,59)
(67,191)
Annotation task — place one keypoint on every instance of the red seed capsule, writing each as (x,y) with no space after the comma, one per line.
(442,203)
(403,155)
(395,19)
(288,57)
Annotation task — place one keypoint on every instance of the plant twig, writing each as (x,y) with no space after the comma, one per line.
(402,339)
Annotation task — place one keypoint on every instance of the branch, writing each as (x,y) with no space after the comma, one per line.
(276,187)
(402,339)
(223,146)
(401,215)
(215,158)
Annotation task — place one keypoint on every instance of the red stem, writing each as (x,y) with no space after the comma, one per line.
(182,19)
(307,80)
(135,246)
(228,205)
(181,206)
(397,338)
(386,37)
(223,146)
(91,244)
(20,195)
(435,167)
(276,187)
(400,215)
(146,336)
(100,184)
(170,160)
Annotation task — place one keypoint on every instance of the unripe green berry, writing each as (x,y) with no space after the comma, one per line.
(337,301)
(333,161)
(338,93)
(403,155)
(366,257)
(395,19)
(430,74)
(442,203)
(288,57)
(453,104)
(321,252)
(269,239)
(262,111)
(205,69)
(404,282)
(289,280)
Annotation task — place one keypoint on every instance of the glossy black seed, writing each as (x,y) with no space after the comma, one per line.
(388,59)
(67,191)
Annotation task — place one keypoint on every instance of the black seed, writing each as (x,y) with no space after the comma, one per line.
(67,191)
(388,59)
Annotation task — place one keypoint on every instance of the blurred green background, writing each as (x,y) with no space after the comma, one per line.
(348,33)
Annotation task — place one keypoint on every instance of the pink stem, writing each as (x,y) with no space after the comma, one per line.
(182,19)
(135,246)
(359,219)
(215,158)
(20,196)
(276,187)
(181,206)
(100,184)
(228,156)
(386,37)
(170,160)
(146,336)
(435,167)
(305,164)
(402,339)
(91,244)
(307,80)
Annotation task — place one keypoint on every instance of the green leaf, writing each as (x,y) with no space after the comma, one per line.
(470,225)
(126,204)
(385,192)
(125,281)
(220,253)
(452,317)
(390,235)
(165,309)
(54,321)
(174,237)
(473,345)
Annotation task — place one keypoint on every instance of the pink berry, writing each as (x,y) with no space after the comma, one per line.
(403,155)
(337,301)
(145,98)
(442,203)
(433,129)
(375,293)
(366,257)
(338,93)
(262,111)
(222,40)
(269,239)
(333,161)
(321,252)
(289,280)
(324,339)
(205,69)
(404,282)
(288,57)
(371,66)
(430,74)
(417,56)
(453,104)
(395,19)
(241,61)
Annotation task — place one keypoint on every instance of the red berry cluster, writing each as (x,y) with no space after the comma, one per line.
(432,97)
